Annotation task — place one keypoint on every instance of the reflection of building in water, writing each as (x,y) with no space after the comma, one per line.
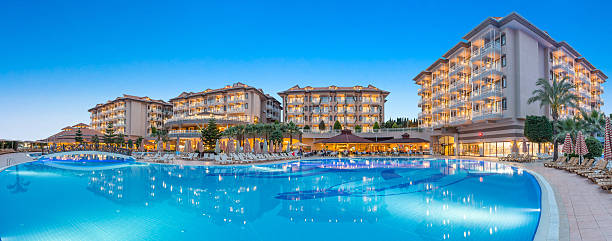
(229,195)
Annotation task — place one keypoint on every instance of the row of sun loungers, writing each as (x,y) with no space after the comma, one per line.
(517,158)
(223,159)
(598,172)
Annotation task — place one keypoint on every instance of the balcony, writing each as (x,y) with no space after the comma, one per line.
(438,80)
(562,67)
(486,92)
(295,101)
(485,115)
(459,120)
(488,48)
(295,111)
(479,74)
(459,103)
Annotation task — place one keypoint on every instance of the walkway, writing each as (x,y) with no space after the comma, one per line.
(588,207)
(7,160)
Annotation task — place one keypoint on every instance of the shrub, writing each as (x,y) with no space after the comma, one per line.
(337,125)
(595,147)
(358,128)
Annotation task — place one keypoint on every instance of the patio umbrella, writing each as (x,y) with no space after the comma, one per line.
(200,146)
(187,146)
(607,148)
(257,146)
(217,147)
(265,147)
(247,146)
(514,147)
(288,148)
(525,150)
(581,148)
(160,146)
(567,144)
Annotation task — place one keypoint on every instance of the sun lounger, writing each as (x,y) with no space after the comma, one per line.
(600,166)
(585,164)
(559,160)
(572,162)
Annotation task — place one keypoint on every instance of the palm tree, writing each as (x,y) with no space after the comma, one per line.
(292,129)
(565,126)
(159,135)
(594,122)
(554,96)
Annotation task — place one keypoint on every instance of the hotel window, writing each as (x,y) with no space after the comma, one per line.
(247,95)
(246,106)
(503,61)
(503,81)
(504,104)
(503,39)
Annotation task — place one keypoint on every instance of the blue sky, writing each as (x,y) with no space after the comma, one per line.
(60,58)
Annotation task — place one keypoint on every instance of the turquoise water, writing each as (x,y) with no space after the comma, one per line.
(334,199)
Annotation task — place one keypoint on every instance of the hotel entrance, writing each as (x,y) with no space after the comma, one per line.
(444,145)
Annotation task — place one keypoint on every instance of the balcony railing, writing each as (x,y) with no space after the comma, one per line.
(563,66)
(484,114)
(486,92)
(484,50)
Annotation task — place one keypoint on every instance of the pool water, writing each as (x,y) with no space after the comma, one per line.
(332,199)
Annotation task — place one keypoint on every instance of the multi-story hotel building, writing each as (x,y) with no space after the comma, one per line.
(474,99)
(130,115)
(231,105)
(351,106)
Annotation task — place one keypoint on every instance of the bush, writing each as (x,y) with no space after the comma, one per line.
(595,147)
(358,128)
(337,125)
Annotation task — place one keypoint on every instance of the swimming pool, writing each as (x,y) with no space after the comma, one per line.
(330,199)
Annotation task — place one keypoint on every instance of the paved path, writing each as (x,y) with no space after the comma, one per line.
(7,160)
(588,207)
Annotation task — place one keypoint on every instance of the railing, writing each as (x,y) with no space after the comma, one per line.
(486,92)
(563,66)
(483,72)
(482,115)
(86,147)
(491,46)
(383,130)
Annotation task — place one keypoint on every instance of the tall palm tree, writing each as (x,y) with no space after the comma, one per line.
(554,95)
(594,122)
(159,135)
(292,129)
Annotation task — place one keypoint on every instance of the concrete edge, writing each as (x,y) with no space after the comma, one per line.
(549,225)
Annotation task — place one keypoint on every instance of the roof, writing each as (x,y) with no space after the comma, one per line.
(234,86)
(455,48)
(585,62)
(433,66)
(405,139)
(357,88)
(145,99)
(601,74)
(499,22)
(569,48)
(423,73)
(68,133)
(345,136)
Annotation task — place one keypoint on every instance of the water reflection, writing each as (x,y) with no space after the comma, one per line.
(20,186)
(424,197)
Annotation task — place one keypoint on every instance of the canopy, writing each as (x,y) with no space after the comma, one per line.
(567,144)
(345,137)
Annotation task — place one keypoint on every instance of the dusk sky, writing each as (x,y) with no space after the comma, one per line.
(60,58)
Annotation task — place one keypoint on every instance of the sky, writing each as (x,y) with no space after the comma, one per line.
(60,58)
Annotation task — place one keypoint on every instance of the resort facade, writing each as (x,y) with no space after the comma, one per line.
(351,106)
(130,115)
(474,98)
(231,105)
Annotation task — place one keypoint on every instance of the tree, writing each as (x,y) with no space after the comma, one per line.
(322,126)
(159,135)
(554,96)
(306,127)
(337,125)
(376,126)
(109,134)
(139,142)
(95,139)
(594,146)
(567,126)
(538,129)
(292,130)
(130,143)
(395,125)
(120,140)
(594,122)
(78,136)
(358,128)
(210,135)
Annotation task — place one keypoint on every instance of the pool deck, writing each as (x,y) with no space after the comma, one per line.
(582,206)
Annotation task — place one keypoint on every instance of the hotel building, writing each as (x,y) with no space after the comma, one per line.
(231,105)
(474,98)
(351,106)
(130,115)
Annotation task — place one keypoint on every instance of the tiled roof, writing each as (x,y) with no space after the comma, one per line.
(132,97)
(234,86)
(297,88)
(345,137)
